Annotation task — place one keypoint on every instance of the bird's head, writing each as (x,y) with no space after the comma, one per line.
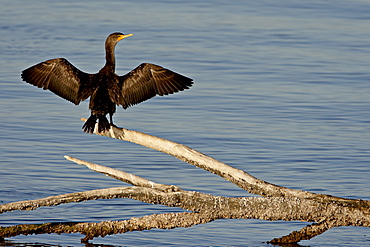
(111,43)
(122,36)
(115,37)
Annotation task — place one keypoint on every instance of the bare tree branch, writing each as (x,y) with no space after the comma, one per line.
(66,198)
(102,229)
(238,177)
(124,176)
(279,203)
(306,233)
(205,207)
(208,208)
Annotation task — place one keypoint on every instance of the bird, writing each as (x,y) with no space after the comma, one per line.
(106,89)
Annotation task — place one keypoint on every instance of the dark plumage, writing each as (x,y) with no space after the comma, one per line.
(105,88)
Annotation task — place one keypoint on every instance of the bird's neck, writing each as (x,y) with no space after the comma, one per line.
(110,60)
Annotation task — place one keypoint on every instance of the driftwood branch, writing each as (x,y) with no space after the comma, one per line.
(102,229)
(204,207)
(239,177)
(193,157)
(278,203)
(124,176)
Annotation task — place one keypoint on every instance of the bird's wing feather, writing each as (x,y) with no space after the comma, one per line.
(148,80)
(62,78)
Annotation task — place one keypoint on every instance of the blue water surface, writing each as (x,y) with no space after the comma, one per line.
(282,91)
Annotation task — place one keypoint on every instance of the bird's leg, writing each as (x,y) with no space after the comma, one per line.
(111,120)
(89,125)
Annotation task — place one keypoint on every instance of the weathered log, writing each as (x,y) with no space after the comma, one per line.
(203,206)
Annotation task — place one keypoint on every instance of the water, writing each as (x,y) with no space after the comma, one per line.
(281,91)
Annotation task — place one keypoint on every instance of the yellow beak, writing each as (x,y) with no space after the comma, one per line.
(121,37)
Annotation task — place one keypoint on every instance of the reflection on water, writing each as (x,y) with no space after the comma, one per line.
(281,91)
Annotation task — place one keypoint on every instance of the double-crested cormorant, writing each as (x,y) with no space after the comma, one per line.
(106,88)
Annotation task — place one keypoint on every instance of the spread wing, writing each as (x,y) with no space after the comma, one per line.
(62,78)
(147,81)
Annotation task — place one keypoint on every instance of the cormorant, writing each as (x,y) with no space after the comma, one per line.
(105,88)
